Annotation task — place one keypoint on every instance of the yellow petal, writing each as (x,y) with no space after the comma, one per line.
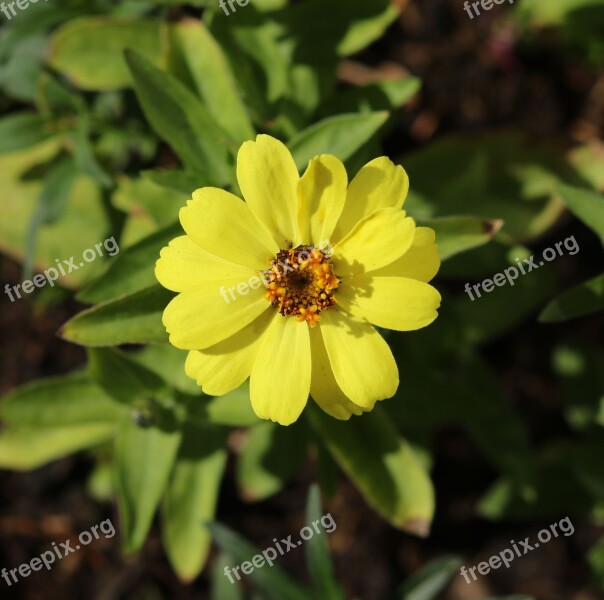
(322,192)
(223,225)
(374,242)
(184,265)
(323,386)
(420,262)
(390,302)
(223,367)
(268,179)
(205,315)
(379,184)
(280,381)
(361,360)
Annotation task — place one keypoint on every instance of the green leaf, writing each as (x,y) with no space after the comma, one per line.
(89,51)
(587,160)
(132,319)
(143,196)
(191,498)
(233,409)
(585,299)
(253,42)
(175,180)
(181,120)
(83,222)
(144,458)
(21,130)
(84,152)
(366,30)
(270,457)
(432,579)
(345,26)
(501,176)
(121,377)
(588,206)
(24,449)
(204,62)
(222,588)
(458,234)
(382,466)
(132,270)
(169,363)
(59,401)
(341,136)
(271,580)
(317,553)
(543,13)
(51,205)
(595,558)
(57,190)
(388,94)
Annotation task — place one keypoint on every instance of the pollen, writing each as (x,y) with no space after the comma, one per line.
(301,283)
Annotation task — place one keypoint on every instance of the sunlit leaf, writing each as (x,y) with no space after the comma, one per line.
(144,457)
(191,498)
(382,466)
(131,319)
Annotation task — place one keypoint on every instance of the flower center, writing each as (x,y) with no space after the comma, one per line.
(301,283)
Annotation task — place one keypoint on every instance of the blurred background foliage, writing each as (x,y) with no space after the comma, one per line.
(114,112)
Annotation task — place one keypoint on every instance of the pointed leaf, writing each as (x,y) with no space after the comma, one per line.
(205,63)
(191,498)
(59,402)
(121,377)
(132,319)
(317,553)
(432,579)
(181,119)
(585,299)
(144,458)
(341,136)
(24,449)
(222,588)
(586,205)
(272,580)
(21,130)
(382,465)
(133,270)
(458,234)
(270,457)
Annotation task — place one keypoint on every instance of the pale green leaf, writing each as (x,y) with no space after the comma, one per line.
(191,498)
(144,458)
(382,466)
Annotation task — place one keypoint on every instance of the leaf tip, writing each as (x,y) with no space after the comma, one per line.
(417,526)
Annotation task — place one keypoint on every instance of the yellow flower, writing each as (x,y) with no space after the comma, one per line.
(286,287)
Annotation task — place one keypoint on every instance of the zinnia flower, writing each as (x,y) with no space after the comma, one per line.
(286,287)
